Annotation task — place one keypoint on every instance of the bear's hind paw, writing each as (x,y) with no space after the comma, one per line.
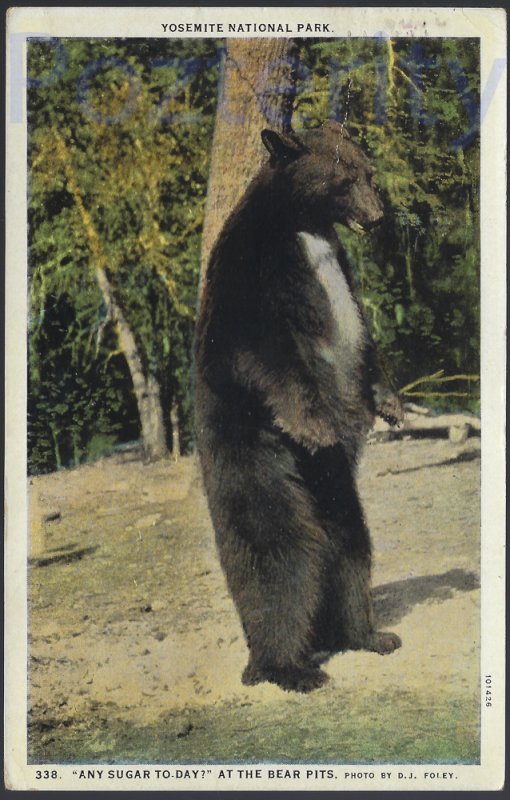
(303,680)
(386,642)
(291,679)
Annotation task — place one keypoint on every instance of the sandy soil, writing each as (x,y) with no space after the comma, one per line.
(136,651)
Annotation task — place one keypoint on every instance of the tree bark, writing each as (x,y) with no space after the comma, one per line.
(146,388)
(257,89)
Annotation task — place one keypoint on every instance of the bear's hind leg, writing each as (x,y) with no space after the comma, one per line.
(277,605)
(345,620)
(359,615)
(274,554)
(350,613)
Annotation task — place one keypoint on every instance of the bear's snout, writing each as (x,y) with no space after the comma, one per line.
(373,221)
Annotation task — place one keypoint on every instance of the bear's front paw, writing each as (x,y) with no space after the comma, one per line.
(389,408)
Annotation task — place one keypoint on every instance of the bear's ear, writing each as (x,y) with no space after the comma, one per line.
(282,146)
(336,127)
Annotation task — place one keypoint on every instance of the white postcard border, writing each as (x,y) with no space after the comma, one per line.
(488,24)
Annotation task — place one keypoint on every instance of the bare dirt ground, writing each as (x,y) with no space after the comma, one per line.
(136,651)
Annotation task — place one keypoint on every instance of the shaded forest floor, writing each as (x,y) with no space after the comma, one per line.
(136,651)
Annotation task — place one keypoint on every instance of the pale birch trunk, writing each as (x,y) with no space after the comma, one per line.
(146,387)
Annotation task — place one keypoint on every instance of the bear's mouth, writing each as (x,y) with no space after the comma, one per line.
(362,228)
(355,226)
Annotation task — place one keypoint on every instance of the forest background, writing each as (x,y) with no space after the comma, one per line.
(120,136)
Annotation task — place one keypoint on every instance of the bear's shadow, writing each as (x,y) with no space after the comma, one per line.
(393,601)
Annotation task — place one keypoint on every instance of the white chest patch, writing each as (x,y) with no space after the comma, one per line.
(350,330)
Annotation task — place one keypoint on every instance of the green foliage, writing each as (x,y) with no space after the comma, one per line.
(74,387)
(414,105)
(136,118)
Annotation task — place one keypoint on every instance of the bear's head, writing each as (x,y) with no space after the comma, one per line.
(325,177)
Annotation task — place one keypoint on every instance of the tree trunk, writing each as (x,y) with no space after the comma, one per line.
(146,389)
(176,440)
(257,89)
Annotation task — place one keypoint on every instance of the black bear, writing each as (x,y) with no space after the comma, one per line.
(287,386)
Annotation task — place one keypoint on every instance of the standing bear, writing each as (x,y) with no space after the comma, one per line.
(287,387)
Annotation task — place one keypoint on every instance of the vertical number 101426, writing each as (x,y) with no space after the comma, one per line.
(488,691)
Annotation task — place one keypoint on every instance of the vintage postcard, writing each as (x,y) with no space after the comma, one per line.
(255,347)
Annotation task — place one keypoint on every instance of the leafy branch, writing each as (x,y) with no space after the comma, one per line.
(437,377)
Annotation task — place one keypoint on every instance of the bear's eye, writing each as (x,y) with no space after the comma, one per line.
(343,186)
